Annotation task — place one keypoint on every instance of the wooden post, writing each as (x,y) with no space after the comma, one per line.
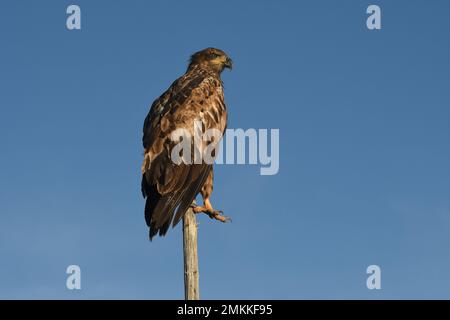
(191,287)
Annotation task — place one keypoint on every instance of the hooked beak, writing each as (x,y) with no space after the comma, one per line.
(229,63)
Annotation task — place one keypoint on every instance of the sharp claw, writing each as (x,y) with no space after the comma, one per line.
(216,214)
(220,217)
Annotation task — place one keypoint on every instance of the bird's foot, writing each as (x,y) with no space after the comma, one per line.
(217,215)
(213,214)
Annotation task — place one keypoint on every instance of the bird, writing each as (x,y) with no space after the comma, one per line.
(169,187)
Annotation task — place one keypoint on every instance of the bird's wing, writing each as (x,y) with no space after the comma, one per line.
(168,186)
(173,99)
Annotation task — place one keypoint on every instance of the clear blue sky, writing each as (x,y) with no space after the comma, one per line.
(364,166)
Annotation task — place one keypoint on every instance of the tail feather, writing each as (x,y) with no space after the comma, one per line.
(154,228)
(162,210)
(154,203)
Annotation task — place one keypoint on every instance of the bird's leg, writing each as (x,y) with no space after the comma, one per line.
(208,209)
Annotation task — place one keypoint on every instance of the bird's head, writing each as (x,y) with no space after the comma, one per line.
(211,58)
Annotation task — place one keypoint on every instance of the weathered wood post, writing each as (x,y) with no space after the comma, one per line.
(191,285)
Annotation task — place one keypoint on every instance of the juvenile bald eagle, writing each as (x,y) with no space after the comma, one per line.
(170,188)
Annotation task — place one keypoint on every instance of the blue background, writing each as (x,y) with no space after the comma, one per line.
(364,157)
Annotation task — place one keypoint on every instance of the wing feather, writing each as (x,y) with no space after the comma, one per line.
(170,188)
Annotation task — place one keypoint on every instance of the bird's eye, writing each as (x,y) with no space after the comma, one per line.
(213,55)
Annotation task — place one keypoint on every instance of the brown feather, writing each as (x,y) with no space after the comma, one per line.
(195,96)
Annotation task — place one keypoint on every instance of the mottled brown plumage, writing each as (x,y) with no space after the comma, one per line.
(196,96)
